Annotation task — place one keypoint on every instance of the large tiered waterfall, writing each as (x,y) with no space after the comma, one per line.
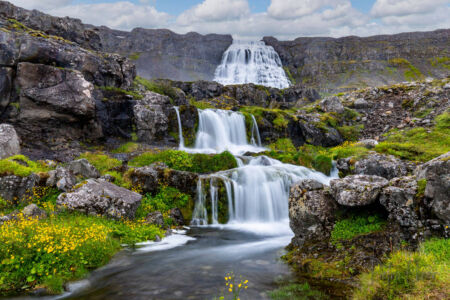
(251,62)
(257,191)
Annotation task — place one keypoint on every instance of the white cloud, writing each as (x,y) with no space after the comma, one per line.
(289,9)
(119,15)
(40,4)
(215,11)
(384,8)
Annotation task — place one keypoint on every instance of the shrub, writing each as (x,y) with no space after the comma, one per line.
(20,165)
(60,248)
(356,225)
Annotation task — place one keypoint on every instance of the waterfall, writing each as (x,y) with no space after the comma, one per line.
(251,62)
(180,128)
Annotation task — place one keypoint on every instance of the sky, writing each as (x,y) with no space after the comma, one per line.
(254,19)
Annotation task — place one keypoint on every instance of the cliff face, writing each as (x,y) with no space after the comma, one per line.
(157,53)
(354,62)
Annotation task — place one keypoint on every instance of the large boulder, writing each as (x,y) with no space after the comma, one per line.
(176,216)
(155,218)
(61,178)
(436,172)
(151,118)
(9,141)
(33,211)
(386,166)
(150,178)
(316,134)
(357,190)
(100,197)
(311,211)
(16,189)
(332,104)
(83,168)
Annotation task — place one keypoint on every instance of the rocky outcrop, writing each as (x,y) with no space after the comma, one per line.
(33,211)
(61,178)
(332,104)
(83,168)
(347,62)
(99,197)
(437,175)
(315,133)
(357,190)
(16,189)
(151,177)
(155,218)
(9,141)
(386,166)
(311,211)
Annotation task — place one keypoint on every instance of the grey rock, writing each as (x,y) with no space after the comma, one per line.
(100,197)
(386,166)
(368,143)
(177,216)
(309,185)
(33,210)
(16,189)
(9,141)
(332,104)
(360,104)
(311,212)
(61,178)
(6,85)
(437,174)
(83,168)
(155,218)
(357,190)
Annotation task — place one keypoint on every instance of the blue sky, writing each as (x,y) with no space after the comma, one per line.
(253,19)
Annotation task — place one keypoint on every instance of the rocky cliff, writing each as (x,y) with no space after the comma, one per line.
(157,53)
(355,62)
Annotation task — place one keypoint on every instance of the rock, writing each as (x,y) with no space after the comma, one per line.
(361,104)
(386,166)
(9,141)
(399,199)
(311,212)
(6,86)
(447,86)
(177,216)
(99,197)
(437,174)
(155,218)
(16,188)
(357,190)
(332,104)
(151,117)
(62,179)
(33,210)
(315,135)
(151,177)
(368,143)
(83,168)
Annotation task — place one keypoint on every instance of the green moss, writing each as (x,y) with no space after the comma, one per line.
(421,185)
(289,75)
(411,72)
(117,90)
(296,292)
(101,161)
(284,144)
(280,122)
(423,113)
(322,163)
(350,133)
(183,161)
(162,88)
(443,62)
(200,104)
(356,225)
(127,148)
(135,56)
(20,165)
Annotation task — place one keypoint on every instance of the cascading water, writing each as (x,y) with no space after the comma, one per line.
(251,62)
(257,191)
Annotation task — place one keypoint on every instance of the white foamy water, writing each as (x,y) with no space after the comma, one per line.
(251,62)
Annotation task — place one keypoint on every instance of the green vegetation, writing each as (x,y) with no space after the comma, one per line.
(424,274)
(20,165)
(350,133)
(421,185)
(289,75)
(411,73)
(284,144)
(201,104)
(419,144)
(127,148)
(356,225)
(280,122)
(163,88)
(63,247)
(15,25)
(113,89)
(166,199)
(101,161)
(441,62)
(135,56)
(296,291)
(183,161)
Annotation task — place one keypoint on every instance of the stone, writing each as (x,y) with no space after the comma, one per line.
(437,174)
(151,117)
(386,166)
(83,168)
(62,179)
(368,143)
(361,104)
(33,210)
(357,190)
(99,197)
(16,189)
(9,141)
(311,212)
(177,216)
(155,218)
(332,104)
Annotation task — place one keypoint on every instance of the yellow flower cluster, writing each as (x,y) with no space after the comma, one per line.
(235,287)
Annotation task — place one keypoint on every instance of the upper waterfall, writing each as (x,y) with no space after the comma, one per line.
(251,62)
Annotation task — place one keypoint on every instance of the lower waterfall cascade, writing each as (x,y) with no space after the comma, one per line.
(257,191)
(251,62)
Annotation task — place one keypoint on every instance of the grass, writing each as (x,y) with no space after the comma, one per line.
(350,133)
(21,166)
(411,72)
(47,253)
(128,147)
(296,291)
(419,144)
(117,90)
(356,225)
(157,87)
(101,161)
(424,274)
(183,161)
